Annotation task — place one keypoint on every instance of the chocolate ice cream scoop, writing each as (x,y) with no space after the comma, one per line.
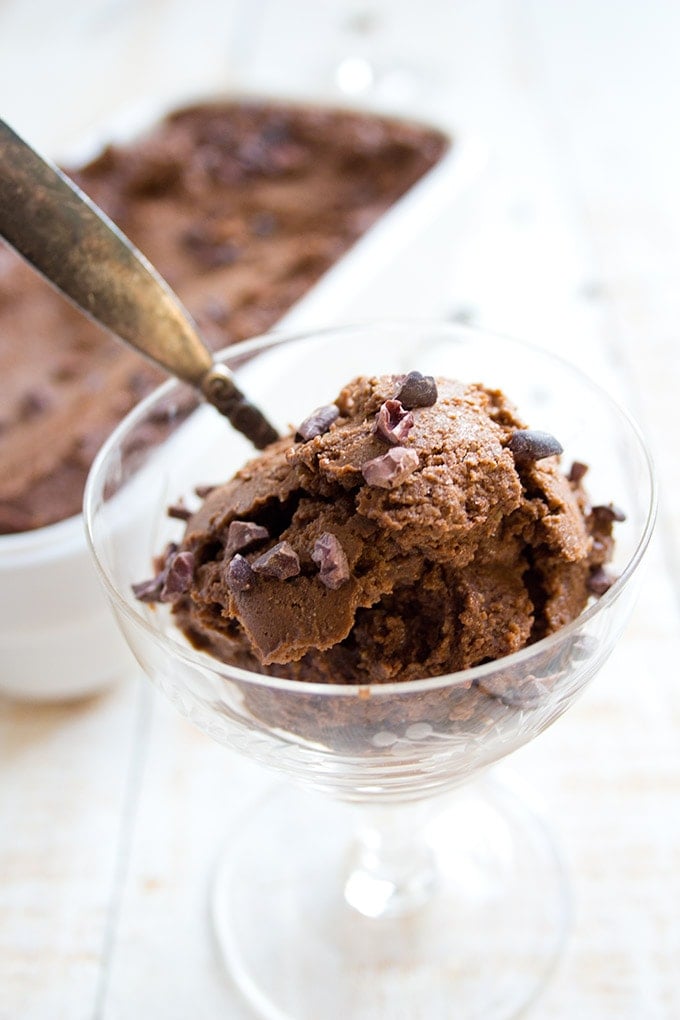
(339,556)
(72,243)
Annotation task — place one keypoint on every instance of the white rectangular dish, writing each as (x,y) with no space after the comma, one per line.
(58,638)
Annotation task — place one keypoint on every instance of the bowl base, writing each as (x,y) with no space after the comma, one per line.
(480,947)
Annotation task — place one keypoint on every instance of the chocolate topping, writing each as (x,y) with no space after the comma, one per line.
(577,472)
(317,422)
(391,468)
(393,422)
(239,573)
(331,560)
(281,562)
(178,577)
(242,534)
(528,445)
(600,581)
(150,590)
(172,580)
(179,511)
(607,514)
(417,390)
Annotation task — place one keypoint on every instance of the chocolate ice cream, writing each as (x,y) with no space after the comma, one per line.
(241,207)
(415,527)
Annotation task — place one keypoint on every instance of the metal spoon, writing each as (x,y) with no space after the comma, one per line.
(75,246)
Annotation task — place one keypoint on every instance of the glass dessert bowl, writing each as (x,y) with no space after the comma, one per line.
(418,881)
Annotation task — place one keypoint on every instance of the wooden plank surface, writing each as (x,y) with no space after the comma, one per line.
(112,811)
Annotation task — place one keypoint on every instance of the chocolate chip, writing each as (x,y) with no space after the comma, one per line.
(239,574)
(178,577)
(317,423)
(281,562)
(391,469)
(600,581)
(204,490)
(209,248)
(577,472)
(154,589)
(606,515)
(179,511)
(417,390)
(161,562)
(33,403)
(241,534)
(331,560)
(393,422)
(150,590)
(528,445)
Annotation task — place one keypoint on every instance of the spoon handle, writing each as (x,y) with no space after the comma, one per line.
(75,246)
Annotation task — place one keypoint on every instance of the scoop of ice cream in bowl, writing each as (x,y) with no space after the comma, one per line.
(415,580)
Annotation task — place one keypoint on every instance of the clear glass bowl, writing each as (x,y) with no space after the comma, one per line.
(385,898)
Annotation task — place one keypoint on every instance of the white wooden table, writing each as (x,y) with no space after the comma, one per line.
(112,810)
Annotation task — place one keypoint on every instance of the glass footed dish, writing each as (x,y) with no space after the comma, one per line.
(416,880)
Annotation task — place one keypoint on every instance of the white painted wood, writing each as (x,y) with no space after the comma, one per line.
(111,812)
(68,775)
